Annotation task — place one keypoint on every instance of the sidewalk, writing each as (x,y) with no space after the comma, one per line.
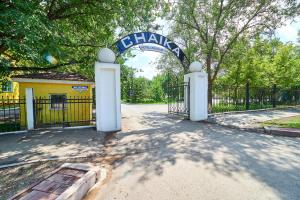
(251,119)
(49,144)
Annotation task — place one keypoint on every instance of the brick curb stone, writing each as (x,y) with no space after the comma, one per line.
(71,181)
(287,132)
(249,129)
(274,131)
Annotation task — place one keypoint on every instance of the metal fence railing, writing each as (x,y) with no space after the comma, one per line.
(179,99)
(63,111)
(12,114)
(240,98)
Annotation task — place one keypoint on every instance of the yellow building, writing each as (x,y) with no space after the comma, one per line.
(9,90)
(60,99)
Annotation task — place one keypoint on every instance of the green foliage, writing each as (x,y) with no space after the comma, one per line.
(262,63)
(141,90)
(10,126)
(209,30)
(70,30)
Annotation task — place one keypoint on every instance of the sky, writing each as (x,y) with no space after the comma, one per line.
(145,61)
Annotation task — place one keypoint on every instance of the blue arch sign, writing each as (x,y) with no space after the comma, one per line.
(147,37)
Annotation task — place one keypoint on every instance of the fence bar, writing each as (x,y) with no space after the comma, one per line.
(228,98)
(274,96)
(64,112)
(247,96)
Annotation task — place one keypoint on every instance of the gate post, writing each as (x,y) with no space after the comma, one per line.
(108,96)
(29,108)
(198,92)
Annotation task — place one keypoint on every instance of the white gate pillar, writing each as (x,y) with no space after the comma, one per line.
(108,95)
(198,92)
(29,108)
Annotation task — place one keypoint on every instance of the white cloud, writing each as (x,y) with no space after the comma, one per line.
(289,32)
(145,61)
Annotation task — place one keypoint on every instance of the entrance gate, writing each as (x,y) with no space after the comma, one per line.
(188,99)
(179,99)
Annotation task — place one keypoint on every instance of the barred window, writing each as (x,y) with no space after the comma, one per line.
(58,101)
(7,87)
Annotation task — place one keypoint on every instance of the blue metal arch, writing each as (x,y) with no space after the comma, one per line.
(134,39)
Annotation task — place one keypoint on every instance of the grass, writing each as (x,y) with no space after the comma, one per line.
(12,126)
(288,122)
(242,107)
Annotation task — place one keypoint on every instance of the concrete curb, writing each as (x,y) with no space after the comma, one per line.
(250,111)
(256,130)
(284,132)
(76,191)
(51,128)
(13,132)
(274,131)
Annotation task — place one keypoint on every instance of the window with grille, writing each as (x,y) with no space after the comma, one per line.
(58,101)
(7,87)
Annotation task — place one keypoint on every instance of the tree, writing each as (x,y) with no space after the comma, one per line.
(157,91)
(215,26)
(262,63)
(70,30)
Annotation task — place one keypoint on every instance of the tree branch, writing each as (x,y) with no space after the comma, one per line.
(27,68)
(230,43)
(82,45)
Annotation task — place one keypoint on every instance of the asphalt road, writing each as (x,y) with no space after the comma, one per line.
(170,158)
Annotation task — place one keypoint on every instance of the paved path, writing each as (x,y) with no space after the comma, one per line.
(178,160)
(252,119)
(44,144)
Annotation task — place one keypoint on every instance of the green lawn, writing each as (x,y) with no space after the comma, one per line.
(288,122)
(240,107)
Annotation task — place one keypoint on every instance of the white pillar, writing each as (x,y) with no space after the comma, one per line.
(198,92)
(29,108)
(108,95)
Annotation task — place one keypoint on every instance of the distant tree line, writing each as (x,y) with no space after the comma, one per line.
(142,90)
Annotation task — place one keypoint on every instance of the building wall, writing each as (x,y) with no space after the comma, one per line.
(75,110)
(11,95)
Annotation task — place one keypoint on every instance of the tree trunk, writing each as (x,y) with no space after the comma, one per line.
(209,94)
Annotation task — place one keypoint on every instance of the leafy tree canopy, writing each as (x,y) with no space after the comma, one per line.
(70,30)
(262,63)
(210,28)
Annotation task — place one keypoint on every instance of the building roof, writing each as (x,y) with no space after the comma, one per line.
(52,75)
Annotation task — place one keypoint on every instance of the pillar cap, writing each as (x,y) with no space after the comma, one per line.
(196,66)
(106,55)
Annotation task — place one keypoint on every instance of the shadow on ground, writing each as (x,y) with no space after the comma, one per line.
(274,161)
(44,144)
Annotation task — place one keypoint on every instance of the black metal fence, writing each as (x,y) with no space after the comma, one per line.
(239,98)
(12,114)
(61,111)
(179,99)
